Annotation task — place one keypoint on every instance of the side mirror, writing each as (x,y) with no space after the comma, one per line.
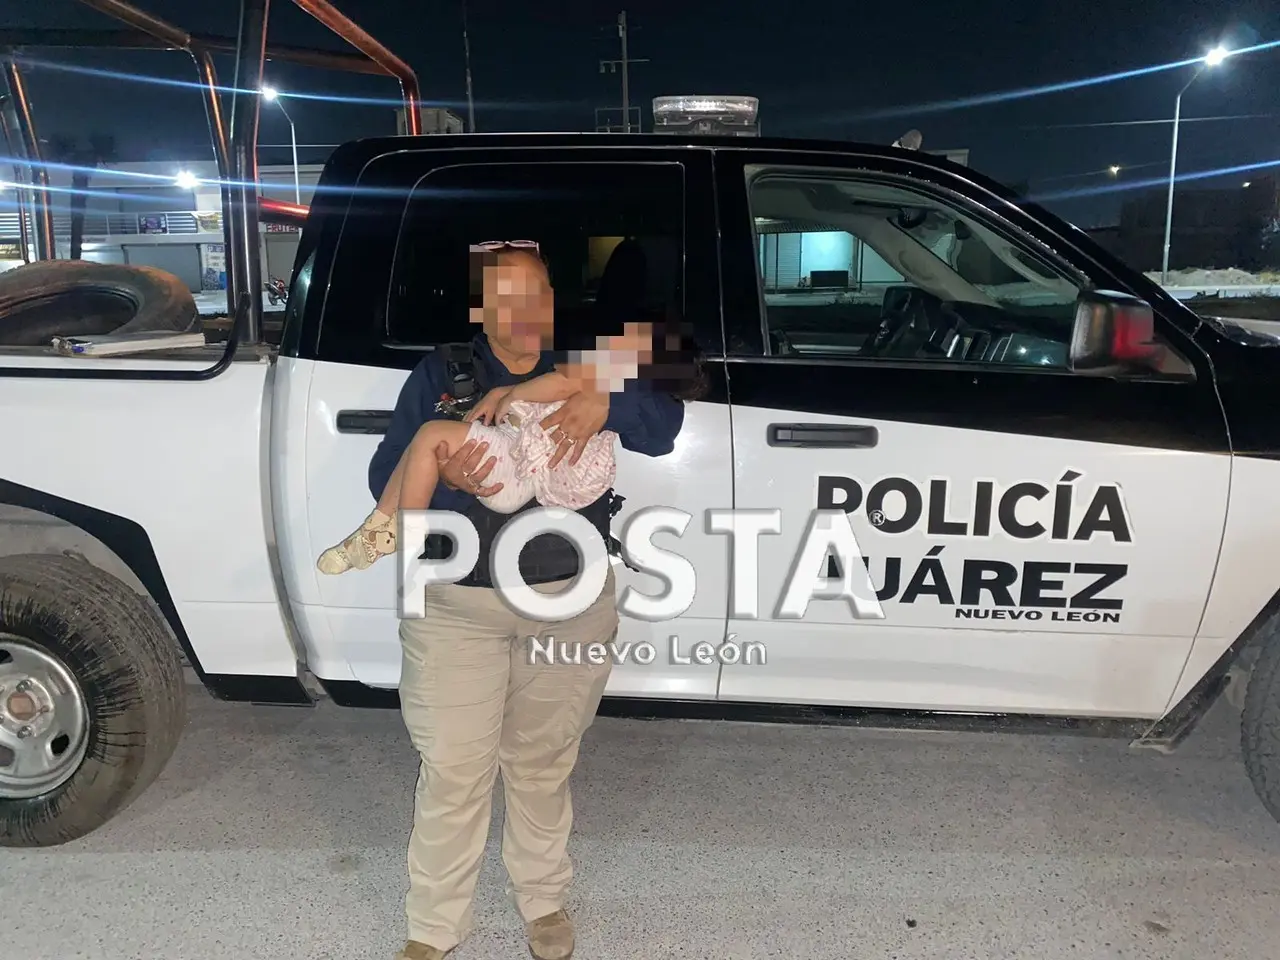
(1114,333)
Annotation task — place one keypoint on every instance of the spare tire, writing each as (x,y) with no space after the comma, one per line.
(78,298)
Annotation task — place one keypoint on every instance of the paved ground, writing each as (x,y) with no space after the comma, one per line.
(278,833)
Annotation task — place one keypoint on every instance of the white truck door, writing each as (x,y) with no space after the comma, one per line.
(368,339)
(1043,542)
(347,412)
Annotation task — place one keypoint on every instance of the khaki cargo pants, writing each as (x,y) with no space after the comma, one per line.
(474,703)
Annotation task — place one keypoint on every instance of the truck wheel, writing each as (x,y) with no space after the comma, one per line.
(80,298)
(92,698)
(1260,722)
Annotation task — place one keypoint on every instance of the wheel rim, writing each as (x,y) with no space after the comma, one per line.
(44,721)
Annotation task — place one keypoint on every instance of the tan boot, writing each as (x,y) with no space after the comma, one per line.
(551,937)
(413,950)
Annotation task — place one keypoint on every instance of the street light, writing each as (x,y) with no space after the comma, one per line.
(1114,169)
(272,95)
(1210,59)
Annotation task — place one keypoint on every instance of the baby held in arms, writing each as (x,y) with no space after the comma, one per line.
(509,420)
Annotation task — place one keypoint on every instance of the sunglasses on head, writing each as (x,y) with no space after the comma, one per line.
(491,245)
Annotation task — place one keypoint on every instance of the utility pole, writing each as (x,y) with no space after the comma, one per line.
(626,74)
(466,52)
(613,66)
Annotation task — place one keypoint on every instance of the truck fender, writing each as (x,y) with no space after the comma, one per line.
(130,543)
(1167,733)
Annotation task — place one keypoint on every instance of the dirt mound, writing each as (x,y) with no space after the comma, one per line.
(1230,277)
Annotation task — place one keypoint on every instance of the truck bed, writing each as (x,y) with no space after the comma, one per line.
(207,355)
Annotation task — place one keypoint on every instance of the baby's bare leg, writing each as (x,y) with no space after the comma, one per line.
(421,466)
(389,502)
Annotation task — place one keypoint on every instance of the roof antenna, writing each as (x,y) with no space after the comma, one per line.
(910,140)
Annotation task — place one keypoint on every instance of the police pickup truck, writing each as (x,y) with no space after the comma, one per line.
(1065,485)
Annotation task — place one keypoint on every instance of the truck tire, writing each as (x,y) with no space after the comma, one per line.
(80,298)
(1260,721)
(102,706)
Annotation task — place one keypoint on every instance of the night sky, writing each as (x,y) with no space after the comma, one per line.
(819,68)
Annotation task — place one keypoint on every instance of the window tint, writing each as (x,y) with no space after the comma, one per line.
(579,214)
(875,269)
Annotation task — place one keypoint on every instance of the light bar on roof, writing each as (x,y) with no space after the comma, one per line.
(706,115)
(743,108)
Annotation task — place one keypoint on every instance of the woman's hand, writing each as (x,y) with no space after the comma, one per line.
(486,411)
(467,468)
(580,418)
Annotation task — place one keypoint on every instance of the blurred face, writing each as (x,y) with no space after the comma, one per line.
(619,357)
(634,346)
(518,306)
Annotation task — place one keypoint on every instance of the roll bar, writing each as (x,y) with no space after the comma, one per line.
(7,133)
(15,37)
(141,20)
(30,145)
(350,31)
(243,241)
(234,142)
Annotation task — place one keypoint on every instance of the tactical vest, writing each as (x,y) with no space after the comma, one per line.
(545,558)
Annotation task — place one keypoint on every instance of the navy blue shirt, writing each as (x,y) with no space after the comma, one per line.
(646,421)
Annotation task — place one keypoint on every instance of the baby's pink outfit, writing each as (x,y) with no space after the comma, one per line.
(523,449)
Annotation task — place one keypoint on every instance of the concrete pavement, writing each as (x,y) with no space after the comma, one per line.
(279,833)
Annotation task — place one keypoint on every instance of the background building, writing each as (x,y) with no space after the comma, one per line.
(1213,228)
(161,215)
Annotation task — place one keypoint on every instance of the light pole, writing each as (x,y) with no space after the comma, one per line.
(626,78)
(272,95)
(1211,59)
(466,54)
